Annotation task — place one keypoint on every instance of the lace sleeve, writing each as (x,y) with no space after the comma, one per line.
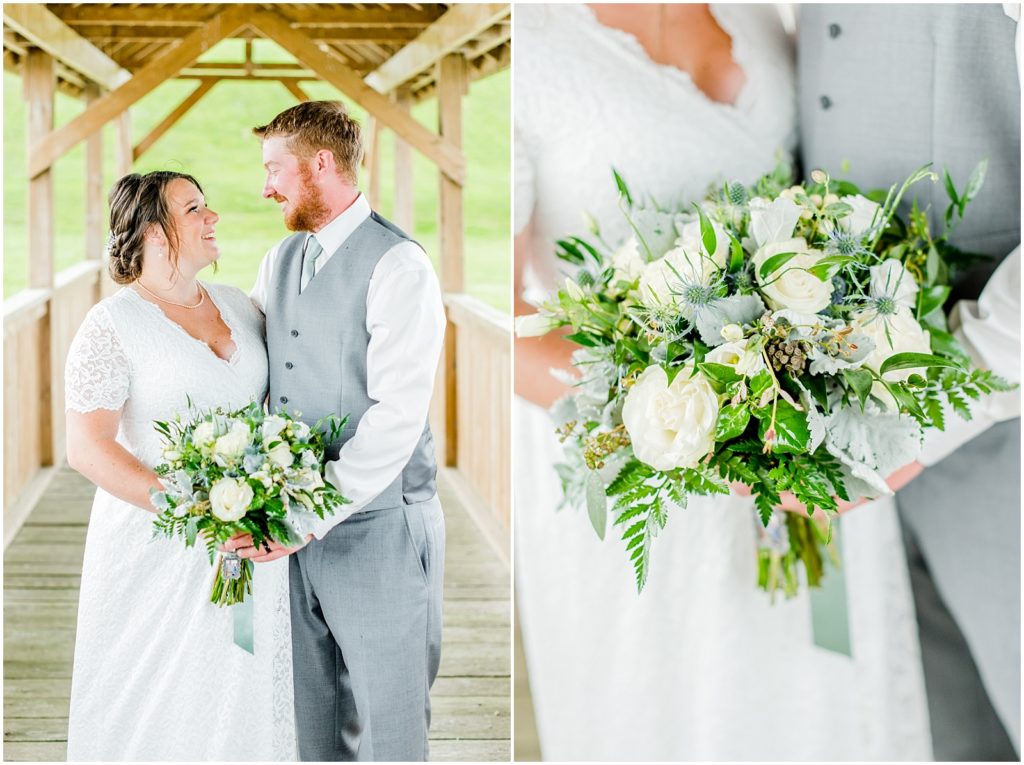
(96,374)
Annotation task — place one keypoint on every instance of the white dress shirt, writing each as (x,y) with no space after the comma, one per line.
(405,320)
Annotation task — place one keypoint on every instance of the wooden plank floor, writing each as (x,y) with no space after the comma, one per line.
(42,567)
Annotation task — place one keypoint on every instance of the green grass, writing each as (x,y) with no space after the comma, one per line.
(214,143)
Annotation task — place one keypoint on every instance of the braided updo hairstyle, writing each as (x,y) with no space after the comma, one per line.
(136,203)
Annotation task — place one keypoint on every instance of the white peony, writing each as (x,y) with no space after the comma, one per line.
(534,325)
(230,498)
(791,286)
(892,280)
(203,434)
(773,221)
(233,443)
(863,216)
(281,455)
(898,332)
(671,426)
(741,355)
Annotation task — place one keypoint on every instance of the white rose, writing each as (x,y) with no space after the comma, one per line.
(272,427)
(171,454)
(740,355)
(307,458)
(203,433)
(791,286)
(860,220)
(627,264)
(898,332)
(233,443)
(671,426)
(773,221)
(300,430)
(230,498)
(281,455)
(663,280)
(690,240)
(732,333)
(891,279)
(534,325)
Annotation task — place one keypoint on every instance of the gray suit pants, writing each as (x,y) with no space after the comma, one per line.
(961,523)
(366,635)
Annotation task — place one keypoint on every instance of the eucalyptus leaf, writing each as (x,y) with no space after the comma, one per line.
(975,182)
(623,188)
(597,503)
(930,298)
(861,381)
(720,373)
(707,232)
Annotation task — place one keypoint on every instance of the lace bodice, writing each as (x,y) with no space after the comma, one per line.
(588,98)
(129,356)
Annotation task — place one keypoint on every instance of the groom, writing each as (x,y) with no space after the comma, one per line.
(355,324)
(890,88)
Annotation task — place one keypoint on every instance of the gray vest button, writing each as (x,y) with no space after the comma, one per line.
(826,103)
(833,31)
(295,333)
(288,365)
(284,399)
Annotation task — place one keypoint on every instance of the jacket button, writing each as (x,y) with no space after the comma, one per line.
(284,399)
(295,333)
(288,365)
(826,102)
(833,31)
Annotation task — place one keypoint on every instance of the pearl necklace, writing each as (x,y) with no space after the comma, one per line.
(202,297)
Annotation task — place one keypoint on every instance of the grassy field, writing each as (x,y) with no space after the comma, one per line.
(214,143)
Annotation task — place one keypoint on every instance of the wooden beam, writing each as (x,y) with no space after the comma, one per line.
(99,35)
(93,187)
(457,27)
(295,89)
(451,83)
(437,149)
(43,29)
(403,212)
(372,159)
(197,13)
(40,84)
(145,80)
(168,122)
(123,122)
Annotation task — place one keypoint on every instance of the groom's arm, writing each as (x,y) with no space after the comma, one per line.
(261,287)
(405,319)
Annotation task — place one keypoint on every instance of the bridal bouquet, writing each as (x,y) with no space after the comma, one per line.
(241,472)
(791,338)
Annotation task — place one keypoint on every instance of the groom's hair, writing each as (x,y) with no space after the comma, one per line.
(315,125)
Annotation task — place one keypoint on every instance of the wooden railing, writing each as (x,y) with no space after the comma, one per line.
(481,426)
(39,325)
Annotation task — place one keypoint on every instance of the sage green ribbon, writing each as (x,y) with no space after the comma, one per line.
(242,615)
(830,618)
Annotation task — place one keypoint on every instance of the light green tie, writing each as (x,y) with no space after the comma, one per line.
(312,251)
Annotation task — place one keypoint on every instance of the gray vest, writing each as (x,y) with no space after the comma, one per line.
(317,346)
(892,87)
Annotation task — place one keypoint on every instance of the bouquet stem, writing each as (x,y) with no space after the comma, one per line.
(232,581)
(776,570)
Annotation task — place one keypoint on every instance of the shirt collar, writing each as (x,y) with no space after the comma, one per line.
(334,234)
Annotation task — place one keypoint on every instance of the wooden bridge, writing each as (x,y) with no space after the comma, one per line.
(382,57)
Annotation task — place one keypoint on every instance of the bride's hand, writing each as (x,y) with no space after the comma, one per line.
(791,504)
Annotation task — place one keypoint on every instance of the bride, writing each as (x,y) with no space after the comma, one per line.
(700,666)
(157,675)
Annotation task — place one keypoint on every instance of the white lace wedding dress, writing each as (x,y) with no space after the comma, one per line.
(700,666)
(157,675)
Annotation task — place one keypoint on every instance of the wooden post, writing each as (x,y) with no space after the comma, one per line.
(451,85)
(94,224)
(125,150)
(372,161)
(403,214)
(40,84)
